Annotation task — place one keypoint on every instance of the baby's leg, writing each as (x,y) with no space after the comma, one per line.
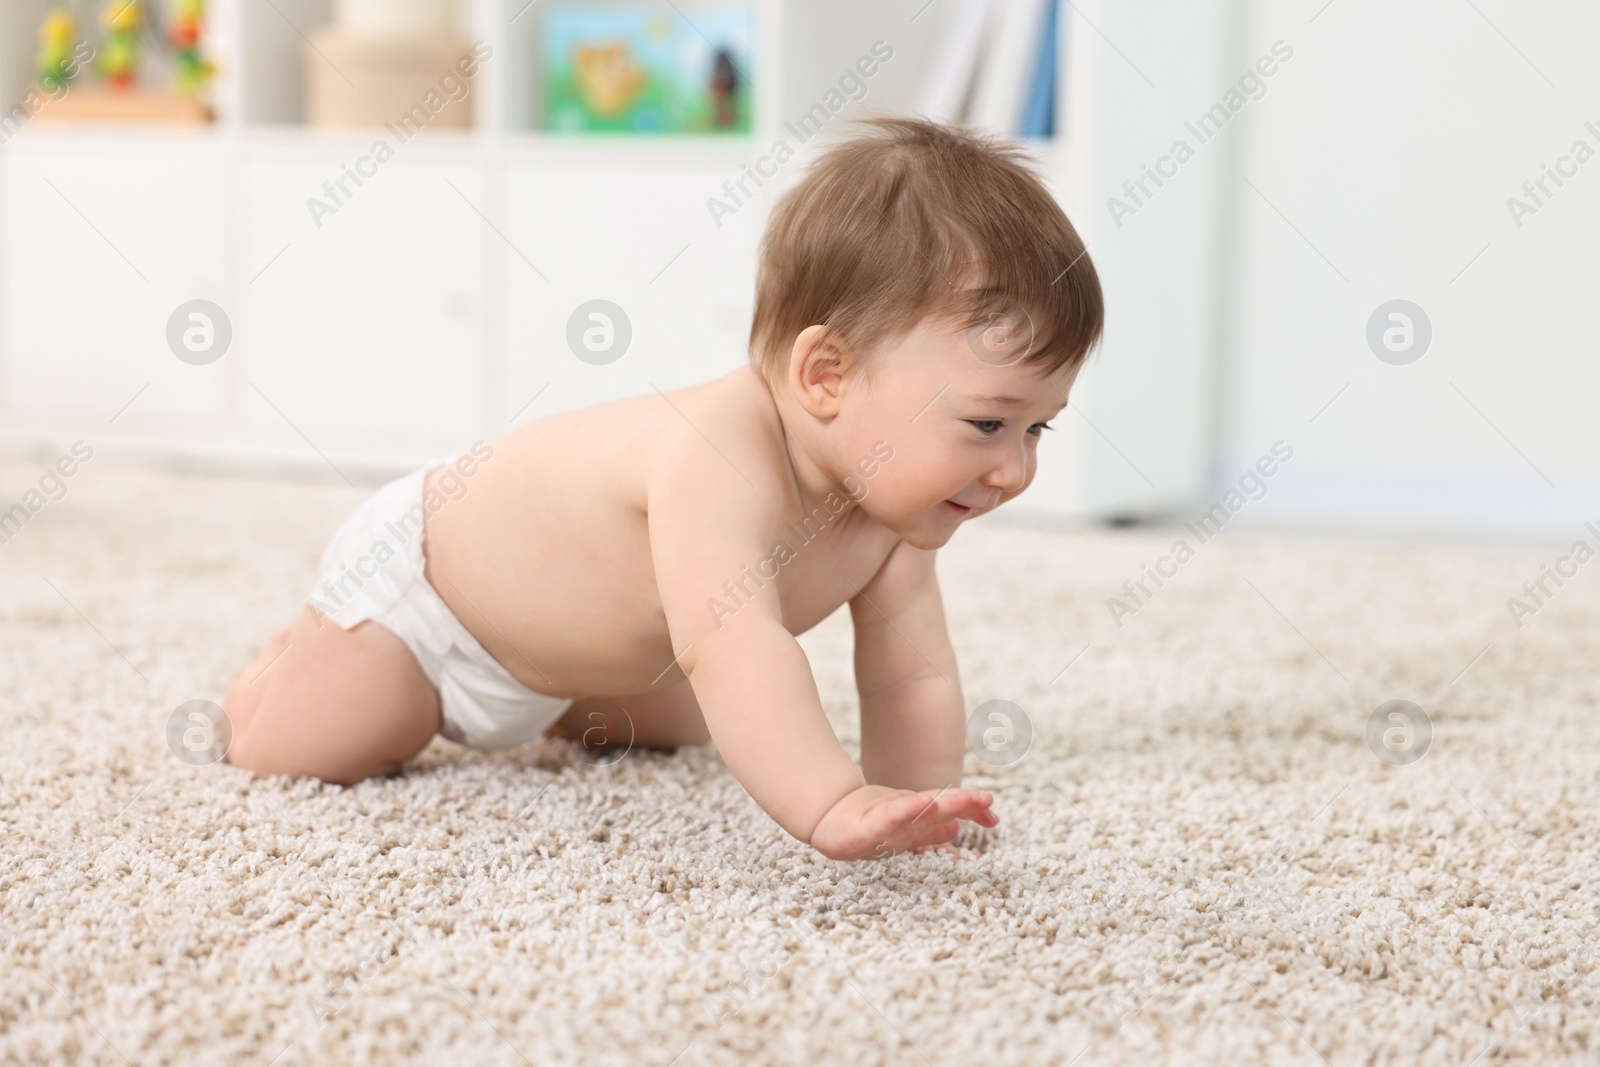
(245,695)
(340,705)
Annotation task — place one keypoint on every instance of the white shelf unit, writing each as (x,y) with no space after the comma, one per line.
(430,309)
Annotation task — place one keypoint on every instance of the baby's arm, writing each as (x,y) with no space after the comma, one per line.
(913,727)
(708,522)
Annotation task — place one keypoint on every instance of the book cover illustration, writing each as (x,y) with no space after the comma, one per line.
(648,68)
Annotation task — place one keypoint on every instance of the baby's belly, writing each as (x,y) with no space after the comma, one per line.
(580,656)
(564,627)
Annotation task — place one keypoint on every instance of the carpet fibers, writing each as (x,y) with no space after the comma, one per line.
(1202,857)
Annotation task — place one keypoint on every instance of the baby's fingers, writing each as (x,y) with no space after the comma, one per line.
(959,804)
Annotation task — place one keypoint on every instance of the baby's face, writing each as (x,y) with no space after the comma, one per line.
(964,416)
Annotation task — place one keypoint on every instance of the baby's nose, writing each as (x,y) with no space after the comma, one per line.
(1009,477)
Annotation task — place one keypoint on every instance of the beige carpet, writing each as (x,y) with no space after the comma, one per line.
(1200,859)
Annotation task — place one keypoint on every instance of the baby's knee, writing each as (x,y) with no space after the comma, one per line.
(244,696)
(268,757)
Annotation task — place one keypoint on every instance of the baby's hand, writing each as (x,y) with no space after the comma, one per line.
(876,821)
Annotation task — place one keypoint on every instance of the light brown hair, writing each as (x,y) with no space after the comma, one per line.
(910,218)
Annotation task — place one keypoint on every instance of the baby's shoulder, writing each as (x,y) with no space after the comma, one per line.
(733,411)
(725,431)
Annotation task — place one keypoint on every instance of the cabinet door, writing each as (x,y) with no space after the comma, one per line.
(104,238)
(641,239)
(364,306)
(1137,439)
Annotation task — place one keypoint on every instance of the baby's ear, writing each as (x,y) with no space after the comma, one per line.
(817,366)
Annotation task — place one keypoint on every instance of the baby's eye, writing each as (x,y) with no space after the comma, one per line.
(1036,427)
(987,426)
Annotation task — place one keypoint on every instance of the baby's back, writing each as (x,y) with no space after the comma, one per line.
(545,557)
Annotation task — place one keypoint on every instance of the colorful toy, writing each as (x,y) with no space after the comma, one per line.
(193,70)
(120,93)
(55,61)
(119,55)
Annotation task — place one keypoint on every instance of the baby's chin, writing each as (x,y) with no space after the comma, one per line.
(927,534)
(926,528)
(926,540)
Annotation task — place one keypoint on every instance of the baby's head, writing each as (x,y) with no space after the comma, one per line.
(920,292)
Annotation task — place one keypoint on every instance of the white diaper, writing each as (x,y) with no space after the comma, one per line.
(373,569)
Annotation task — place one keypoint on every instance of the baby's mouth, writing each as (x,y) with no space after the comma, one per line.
(959,509)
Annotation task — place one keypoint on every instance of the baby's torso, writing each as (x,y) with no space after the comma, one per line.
(545,556)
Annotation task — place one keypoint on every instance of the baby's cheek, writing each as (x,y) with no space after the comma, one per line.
(889,498)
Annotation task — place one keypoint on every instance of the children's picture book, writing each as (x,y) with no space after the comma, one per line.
(648,68)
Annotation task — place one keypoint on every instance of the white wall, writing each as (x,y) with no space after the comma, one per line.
(1392,141)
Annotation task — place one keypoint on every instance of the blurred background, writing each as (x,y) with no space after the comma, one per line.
(336,238)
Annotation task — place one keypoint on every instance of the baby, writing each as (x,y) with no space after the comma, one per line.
(636,572)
